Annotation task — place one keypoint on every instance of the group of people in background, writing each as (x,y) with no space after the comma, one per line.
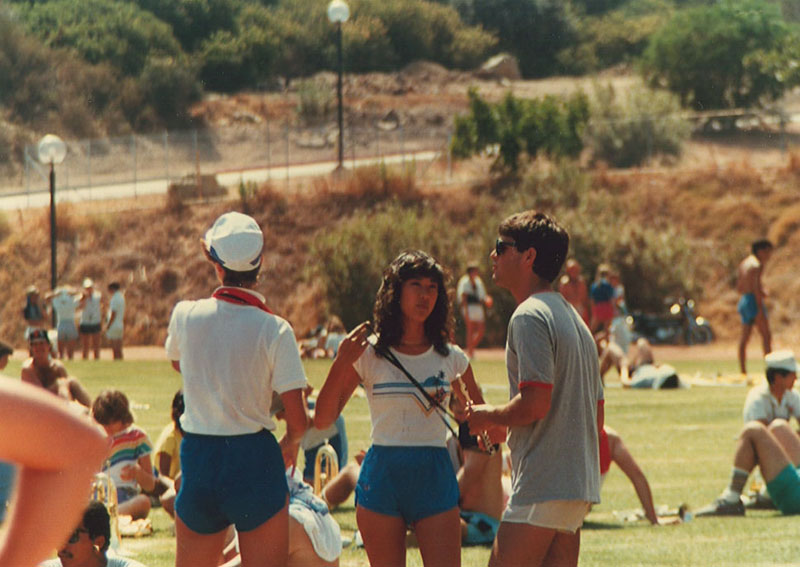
(78,315)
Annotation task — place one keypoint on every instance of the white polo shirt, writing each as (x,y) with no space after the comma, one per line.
(232,357)
(761,405)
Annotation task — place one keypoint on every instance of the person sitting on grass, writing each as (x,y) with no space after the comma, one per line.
(88,545)
(776,450)
(775,399)
(128,464)
(168,456)
(42,370)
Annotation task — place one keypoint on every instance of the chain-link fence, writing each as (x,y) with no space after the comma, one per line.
(140,165)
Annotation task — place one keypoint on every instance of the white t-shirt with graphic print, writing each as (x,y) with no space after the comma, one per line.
(401,416)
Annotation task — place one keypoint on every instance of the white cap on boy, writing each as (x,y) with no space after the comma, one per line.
(781,360)
(235,242)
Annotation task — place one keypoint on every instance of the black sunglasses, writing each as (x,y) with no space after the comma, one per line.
(500,246)
(76,535)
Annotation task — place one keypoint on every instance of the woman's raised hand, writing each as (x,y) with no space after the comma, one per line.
(354,345)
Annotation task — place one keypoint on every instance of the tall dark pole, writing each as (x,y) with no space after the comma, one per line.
(339,95)
(53,265)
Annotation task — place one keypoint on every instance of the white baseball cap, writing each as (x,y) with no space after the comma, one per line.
(781,360)
(235,242)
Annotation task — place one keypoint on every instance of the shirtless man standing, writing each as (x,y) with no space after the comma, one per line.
(751,304)
(574,289)
(43,371)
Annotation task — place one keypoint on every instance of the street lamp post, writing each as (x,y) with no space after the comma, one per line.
(52,150)
(338,13)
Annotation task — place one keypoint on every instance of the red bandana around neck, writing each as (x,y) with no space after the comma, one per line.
(239,296)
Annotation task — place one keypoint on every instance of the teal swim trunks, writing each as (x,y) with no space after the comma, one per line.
(784,490)
(481,528)
(748,308)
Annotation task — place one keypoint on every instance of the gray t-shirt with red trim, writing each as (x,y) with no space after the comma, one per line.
(557,457)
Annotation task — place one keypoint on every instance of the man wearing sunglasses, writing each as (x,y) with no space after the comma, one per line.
(556,401)
(88,544)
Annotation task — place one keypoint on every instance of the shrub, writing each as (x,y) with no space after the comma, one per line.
(350,258)
(654,260)
(548,125)
(627,132)
(315,100)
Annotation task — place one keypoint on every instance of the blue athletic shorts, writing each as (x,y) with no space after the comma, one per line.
(413,483)
(784,490)
(748,308)
(237,479)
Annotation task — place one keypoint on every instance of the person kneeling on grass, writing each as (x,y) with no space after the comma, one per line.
(88,545)
(776,450)
(129,464)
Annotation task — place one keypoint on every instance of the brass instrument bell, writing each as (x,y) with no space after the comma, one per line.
(326,466)
(104,490)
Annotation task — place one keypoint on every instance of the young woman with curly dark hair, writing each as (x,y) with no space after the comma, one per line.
(406,477)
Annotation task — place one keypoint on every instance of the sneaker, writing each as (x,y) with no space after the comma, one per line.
(722,507)
(759,501)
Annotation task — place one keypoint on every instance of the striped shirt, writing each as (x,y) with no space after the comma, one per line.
(127,447)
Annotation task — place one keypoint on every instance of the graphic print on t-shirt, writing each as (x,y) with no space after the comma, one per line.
(437,386)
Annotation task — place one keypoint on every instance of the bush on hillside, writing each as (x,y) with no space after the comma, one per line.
(615,38)
(655,261)
(626,132)
(101,31)
(350,258)
(548,126)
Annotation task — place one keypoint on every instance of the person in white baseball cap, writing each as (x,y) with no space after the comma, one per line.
(235,242)
(233,352)
(776,398)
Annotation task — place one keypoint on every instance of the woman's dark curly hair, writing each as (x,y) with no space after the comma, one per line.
(388,317)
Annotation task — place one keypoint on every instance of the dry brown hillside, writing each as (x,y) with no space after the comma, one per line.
(156,253)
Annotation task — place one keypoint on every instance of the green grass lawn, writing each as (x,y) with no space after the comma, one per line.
(682,439)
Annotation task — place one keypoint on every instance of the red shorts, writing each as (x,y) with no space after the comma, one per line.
(603,312)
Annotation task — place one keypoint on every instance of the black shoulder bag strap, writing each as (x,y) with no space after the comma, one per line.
(441,411)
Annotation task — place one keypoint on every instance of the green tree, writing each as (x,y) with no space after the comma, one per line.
(533,30)
(101,31)
(711,55)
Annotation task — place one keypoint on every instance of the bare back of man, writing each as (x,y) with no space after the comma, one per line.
(751,303)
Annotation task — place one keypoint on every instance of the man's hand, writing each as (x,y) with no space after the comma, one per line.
(479,418)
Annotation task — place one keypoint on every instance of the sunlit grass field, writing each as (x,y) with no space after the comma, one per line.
(682,439)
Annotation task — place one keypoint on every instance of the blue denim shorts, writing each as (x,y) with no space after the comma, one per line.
(410,482)
(237,479)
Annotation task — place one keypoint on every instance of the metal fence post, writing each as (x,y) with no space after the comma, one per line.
(166,155)
(287,153)
(269,154)
(133,148)
(89,166)
(402,147)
